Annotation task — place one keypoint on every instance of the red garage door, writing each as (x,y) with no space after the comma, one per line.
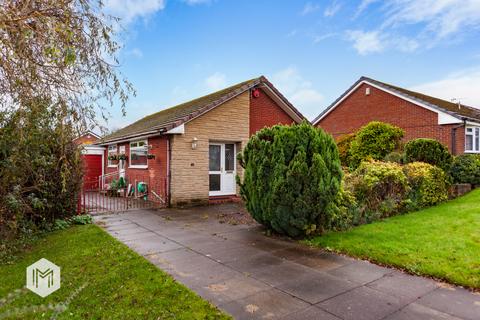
(92,166)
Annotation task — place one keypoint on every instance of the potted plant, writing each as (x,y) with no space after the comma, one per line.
(122,156)
(113,157)
(150,156)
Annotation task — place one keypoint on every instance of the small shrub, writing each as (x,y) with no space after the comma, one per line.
(343,144)
(292,178)
(347,211)
(466,169)
(374,141)
(82,219)
(380,189)
(61,224)
(429,184)
(395,156)
(429,151)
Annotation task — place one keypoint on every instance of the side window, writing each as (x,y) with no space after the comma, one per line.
(138,154)
(112,152)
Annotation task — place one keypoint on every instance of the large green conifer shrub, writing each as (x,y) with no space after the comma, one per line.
(292,178)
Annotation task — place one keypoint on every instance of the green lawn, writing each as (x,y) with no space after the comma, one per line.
(117,283)
(442,241)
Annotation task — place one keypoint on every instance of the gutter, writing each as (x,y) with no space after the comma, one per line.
(132,137)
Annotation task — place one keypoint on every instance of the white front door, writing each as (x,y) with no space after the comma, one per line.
(222,169)
(121,164)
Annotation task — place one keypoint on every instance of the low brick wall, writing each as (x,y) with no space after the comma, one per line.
(460,189)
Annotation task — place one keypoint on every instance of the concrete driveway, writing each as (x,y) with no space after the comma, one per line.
(251,276)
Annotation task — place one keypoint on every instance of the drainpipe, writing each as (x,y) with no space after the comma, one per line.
(169,175)
(454,136)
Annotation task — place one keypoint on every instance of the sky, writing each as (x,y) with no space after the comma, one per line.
(312,51)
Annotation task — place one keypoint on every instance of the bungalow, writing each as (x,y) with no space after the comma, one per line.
(455,125)
(193,146)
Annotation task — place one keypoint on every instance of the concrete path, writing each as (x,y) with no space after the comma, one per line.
(251,276)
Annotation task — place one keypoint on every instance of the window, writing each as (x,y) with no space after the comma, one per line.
(138,154)
(472,139)
(112,151)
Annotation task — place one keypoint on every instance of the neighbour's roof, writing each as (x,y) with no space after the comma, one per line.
(460,111)
(170,118)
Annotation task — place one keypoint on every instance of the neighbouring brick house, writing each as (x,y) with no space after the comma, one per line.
(193,146)
(421,116)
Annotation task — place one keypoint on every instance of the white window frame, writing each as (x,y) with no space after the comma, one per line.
(112,149)
(143,166)
(475,134)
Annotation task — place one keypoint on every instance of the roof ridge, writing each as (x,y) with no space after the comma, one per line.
(185,111)
(198,98)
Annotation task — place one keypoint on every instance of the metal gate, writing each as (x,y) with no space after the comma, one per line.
(112,193)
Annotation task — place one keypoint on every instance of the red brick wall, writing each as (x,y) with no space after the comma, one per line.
(264,112)
(157,168)
(359,109)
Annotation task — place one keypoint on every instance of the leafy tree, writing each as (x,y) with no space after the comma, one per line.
(40,169)
(292,178)
(57,72)
(61,51)
(374,141)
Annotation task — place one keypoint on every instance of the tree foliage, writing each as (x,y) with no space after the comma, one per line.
(61,51)
(374,141)
(40,168)
(292,177)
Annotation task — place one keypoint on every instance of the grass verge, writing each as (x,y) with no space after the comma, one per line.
(101,279)
(442,242)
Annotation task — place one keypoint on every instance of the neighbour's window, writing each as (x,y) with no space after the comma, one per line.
(138,153)
(472,139)
(112,150)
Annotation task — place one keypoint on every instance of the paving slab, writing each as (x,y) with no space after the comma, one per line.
(361,272)
(314,258)
(315,287)
(362,303)
(287,271)
(310,313)
(255,263)
(455,301)
(232,289)
(403,285)
(227,255)
(416,311)
(270,304)
(152,244)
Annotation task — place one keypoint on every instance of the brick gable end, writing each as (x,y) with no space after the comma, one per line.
(358,109)
(264,112)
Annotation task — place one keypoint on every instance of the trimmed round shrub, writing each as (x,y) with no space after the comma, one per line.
(429,184)
(429,151)
(466,169)
(343,144)
(291,180)
(380,189)
(374,141)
